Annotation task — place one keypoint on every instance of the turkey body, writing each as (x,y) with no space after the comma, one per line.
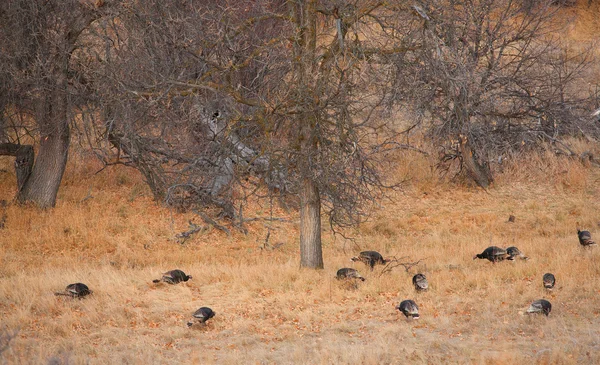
(77,290)
(409,308)
(585,238)
(370,258)
(420,282)
(549,280)
(540,306)
(201,316)
(173,277)
(348,273)
(493,254)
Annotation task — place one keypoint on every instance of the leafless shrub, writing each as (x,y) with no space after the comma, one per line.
(493,79)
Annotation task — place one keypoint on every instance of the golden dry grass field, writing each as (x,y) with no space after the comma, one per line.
(271,312)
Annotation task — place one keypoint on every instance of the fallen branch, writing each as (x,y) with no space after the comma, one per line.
(268,219)
(395,262)
(88,196)
(212,222)
(585,157)
(184,236)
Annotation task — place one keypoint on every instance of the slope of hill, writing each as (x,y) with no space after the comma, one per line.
(107,233)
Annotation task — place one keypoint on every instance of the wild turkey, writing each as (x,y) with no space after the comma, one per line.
(201,316)
(540,306)
(173,277)
(409,309)
(370,258)
(492,253)
(585,238)
(513,252)
(348,273)
(420,282)
(549,281)
(77,290)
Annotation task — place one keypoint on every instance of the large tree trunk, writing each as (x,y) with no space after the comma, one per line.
(304,14)
(311,254)
(42,186)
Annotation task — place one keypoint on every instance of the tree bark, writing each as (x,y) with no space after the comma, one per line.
(304,14)
(311,254)
(42,186)
(476,170)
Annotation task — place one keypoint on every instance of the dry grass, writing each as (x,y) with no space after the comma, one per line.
(270,311)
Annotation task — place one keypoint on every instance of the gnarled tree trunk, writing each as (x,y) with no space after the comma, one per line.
(476,170)
(42,186)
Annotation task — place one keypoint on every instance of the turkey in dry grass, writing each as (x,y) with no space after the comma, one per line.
(173,277)
(77,290)
(201,316)
(370,258)
(420,282)
(585,238)
(514,252)
(409,308)
(549,280)
(348,273)
(493,254)
(540,306)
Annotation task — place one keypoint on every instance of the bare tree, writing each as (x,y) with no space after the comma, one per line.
(492,78)
(38,39)
(216,99)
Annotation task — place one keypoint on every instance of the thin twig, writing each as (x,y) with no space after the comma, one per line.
(395,262)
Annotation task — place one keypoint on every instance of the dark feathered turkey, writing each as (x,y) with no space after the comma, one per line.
(173,277)
(201,316)
(492,253)
(549,281)
(370,258)
(77,290)
(585,238)
(420,282)
(514,252)
(409,309)
(348,273)
(540,306)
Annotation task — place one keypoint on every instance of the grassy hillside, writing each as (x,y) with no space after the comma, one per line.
(107,233)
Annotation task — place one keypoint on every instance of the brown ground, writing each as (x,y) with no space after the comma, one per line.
(270,311)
